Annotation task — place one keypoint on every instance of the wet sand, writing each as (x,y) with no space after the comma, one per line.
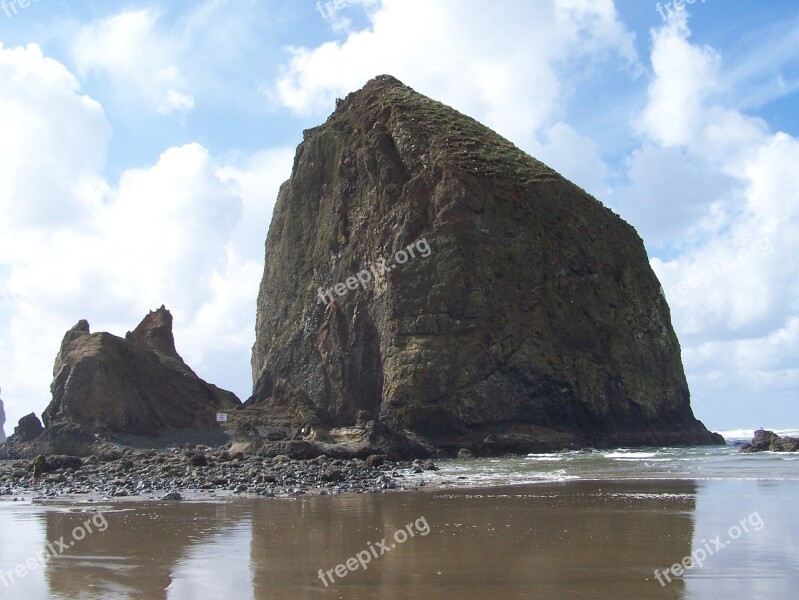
(577,539)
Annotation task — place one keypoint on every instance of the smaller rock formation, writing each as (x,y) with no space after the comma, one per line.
(31,439)
(2,422)
(137,385)
(768,441)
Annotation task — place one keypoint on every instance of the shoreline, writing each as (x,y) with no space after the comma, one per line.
(202,473)
(194,496)
(191,474)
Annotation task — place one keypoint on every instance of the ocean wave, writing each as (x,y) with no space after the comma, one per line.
(630,455)
(545,457)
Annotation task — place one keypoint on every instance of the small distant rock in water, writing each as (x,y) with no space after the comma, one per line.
(768,441)
(174,496)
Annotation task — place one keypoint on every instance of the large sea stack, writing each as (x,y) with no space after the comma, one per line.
(136,385)
(534,321)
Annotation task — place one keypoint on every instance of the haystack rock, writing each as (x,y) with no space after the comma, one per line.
(136,385)
(514,312)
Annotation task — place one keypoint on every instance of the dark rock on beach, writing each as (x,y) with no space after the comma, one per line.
(59,438)
(136,385)
(529,320)
(175,474)
(247,439)
(29,428)
(768,441)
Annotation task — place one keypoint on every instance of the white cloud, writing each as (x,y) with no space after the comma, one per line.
(128,49)
(685,75)
(53,143)
(443,49)
(674,198)
(727,190)
(574,156)
(335,11)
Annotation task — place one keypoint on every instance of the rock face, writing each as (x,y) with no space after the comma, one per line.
(136,385)
(768,441)
(514,312)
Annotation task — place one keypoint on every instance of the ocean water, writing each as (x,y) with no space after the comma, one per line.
(697,463)
(616,524)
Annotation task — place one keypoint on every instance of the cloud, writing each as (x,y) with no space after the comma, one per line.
(442,49)
(674,198)
(128,49)
(334,11)
(575,156)
(724,188)
(49,128)
(186,231)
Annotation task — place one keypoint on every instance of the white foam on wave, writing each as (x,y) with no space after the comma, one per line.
(631,455)
(748,434)
(544,457)
(650,496)
(460,476)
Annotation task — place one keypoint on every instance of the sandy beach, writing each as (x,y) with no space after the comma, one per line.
(582,539)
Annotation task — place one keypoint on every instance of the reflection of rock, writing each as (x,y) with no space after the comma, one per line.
(554,545)
(147,551)
(137,385)
(768,441)
(137,555)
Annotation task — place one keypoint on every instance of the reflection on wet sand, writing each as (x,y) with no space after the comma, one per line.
(139,551)
(514,542)
(580,539)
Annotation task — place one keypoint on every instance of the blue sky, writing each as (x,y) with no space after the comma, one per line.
(142,145)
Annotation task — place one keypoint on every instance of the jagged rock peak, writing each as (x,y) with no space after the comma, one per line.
(134,385)
(155,333)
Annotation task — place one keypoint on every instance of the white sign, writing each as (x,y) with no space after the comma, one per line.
(221,417)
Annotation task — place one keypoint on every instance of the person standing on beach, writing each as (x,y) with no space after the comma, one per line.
(38,467)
